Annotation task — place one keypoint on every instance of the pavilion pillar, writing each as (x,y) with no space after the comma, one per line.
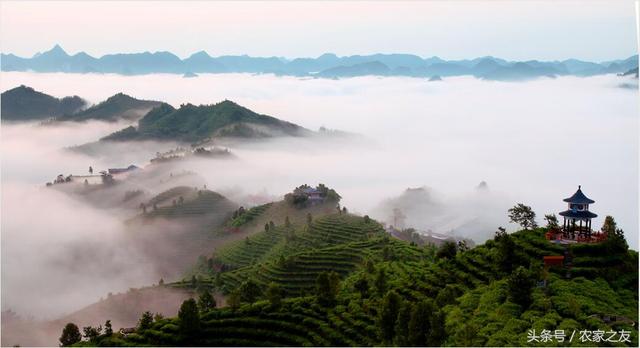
(581,233)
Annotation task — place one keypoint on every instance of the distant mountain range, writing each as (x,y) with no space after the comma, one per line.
(326,66)
(191,123)
(26,104)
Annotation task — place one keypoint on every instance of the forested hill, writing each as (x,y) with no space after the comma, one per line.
(341,280)
(116,107)
(24,104)
(191,123)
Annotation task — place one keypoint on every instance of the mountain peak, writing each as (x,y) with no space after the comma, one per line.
(200,54)
(120,96)
(56,51)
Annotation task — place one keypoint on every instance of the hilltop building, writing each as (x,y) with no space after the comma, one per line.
(116,171)
(314,196)
(577,218)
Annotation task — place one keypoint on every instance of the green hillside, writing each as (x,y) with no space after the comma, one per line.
(24,103)
(340,280)
(202,203)
(118,106)
(192,123)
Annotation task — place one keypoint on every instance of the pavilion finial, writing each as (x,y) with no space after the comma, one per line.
(579,186)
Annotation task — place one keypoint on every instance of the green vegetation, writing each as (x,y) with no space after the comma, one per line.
(70,335)
(168,195)
(203,203)
(523,215)
(341,280)
(192,123)
(24,103)
(242,216)
(118,106)
(301,198)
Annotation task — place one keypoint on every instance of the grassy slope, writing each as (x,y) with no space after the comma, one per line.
(470,288)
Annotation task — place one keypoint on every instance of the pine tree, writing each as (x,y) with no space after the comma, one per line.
(145,321)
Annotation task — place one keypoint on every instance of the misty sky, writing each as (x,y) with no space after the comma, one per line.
(589,30)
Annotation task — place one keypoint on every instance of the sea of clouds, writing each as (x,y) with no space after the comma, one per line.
(533,142)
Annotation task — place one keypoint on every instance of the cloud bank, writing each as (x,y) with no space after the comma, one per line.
(532,142)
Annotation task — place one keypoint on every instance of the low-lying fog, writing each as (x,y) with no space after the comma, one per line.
(532,142)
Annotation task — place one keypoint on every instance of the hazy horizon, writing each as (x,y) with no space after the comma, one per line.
(291,58)
(531,30)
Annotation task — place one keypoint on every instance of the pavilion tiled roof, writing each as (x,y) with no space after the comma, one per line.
(579,198)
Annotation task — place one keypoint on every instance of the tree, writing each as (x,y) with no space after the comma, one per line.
(233,300)
(249,291)
(616,242)
(520,284)
(447,250)
(189,317)
(332,196)
(523,215)
(391,304)
(402,326)
(463,245)
(369,266)
(327,288)
(367,219)
(70,335)
(552,221)
(108,329)
(362,286)
(381,281)
(609,226)
(206,301)
(145,321)
(274,295)
(505,257)
(419,324)
(448,294)
(387,253)
(287,223)
(91,333)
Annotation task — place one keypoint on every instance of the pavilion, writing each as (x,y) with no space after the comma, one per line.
(577,219)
